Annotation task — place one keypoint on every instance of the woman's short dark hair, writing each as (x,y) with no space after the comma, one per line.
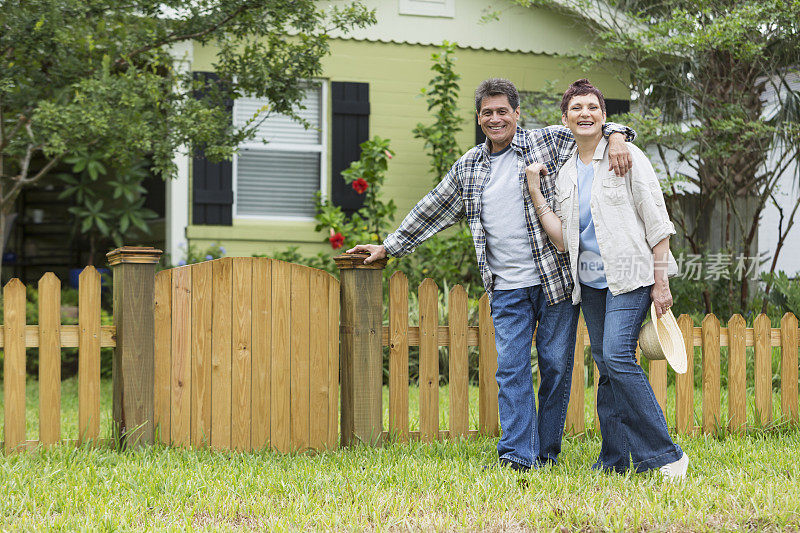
(494,87)
(580,88)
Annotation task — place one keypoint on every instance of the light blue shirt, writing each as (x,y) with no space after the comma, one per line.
(590,264)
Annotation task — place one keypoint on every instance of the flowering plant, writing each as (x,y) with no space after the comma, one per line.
(336,240)
(360,185)
(372,221)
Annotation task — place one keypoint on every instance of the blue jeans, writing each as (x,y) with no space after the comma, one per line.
(631,421)
(527,439)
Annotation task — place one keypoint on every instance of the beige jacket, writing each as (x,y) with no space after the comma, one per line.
(629,219)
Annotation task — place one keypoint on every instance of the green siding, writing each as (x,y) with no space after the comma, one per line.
(396,73)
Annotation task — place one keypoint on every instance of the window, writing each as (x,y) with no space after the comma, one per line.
(428,8)
(277,180)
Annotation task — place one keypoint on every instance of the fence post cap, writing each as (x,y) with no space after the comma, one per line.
(134,254)
(356,261)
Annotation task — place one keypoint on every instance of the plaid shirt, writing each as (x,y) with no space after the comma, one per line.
(458,195)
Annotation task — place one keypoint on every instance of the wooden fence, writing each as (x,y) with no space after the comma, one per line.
(242,353)
(457,335)
(50,336)
(246,352)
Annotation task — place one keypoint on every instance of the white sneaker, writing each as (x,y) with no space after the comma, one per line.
(675,471)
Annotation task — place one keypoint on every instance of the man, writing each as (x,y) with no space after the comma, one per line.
(527,279)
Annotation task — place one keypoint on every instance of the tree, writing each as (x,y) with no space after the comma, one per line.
(452,255)
(699,71)
(87,75)
(440,137)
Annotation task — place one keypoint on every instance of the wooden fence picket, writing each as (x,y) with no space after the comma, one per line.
(49,359)
(299,407)
(201,341)
(789,371)
(711,377)
(684,383)
(241,362)
(280,429)
(658,381)
(222,271)
(737,374)
(487,368)
(14,364)
(575,424)
(261,353)
(181,371)
(89,355)
(763,369)
(162,385)
(459,363)
(333,362)
(428,361)
(398,356)
(318,364)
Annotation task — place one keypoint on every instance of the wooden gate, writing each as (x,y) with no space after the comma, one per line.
(247,355)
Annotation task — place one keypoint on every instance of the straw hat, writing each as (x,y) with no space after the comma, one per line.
(661,338)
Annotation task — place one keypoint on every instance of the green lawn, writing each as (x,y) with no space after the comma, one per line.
(740,482)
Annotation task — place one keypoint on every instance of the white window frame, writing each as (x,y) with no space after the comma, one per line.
(321,148)
(427,9)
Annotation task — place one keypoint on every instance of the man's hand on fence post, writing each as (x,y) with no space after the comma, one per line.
(375,251)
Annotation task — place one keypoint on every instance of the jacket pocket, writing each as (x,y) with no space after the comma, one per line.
(563,201)
(614,189)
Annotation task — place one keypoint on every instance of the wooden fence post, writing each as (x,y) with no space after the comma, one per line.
(360,350)
(134,271)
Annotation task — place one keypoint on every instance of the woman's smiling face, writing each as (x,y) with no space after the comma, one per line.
(584,116)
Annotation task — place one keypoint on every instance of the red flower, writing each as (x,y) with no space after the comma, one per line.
(360,185)
(336,240)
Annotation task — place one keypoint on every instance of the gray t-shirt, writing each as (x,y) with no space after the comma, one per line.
(508,248)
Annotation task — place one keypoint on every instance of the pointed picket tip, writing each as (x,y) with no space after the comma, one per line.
(788,319)
(428,282)
(13,283)
(736,320)
(762,320)
(398,275)
(88,271)
(49,278)
(484,300)
(458,290)
(710,320)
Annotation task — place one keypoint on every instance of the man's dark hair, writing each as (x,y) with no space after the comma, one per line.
(579,88)
(494,87)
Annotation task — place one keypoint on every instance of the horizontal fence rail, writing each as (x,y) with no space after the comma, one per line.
(50,336)
(458,335)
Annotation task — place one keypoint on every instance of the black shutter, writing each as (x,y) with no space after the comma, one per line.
(212,183)
(615,107)
(350,128)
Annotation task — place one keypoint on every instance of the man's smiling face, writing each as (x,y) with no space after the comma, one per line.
(498,121)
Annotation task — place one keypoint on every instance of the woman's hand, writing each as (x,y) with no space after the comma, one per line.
(534,172)
(661,296)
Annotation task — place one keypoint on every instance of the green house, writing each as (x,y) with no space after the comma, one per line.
(263,200)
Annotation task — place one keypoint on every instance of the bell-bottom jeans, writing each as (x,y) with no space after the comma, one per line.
(632,424)
(530,438)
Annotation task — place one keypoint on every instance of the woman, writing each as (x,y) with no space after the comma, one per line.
(616,230)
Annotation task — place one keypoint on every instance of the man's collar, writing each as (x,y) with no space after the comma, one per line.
(521,141)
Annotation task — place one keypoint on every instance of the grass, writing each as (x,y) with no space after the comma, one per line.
(739,482)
